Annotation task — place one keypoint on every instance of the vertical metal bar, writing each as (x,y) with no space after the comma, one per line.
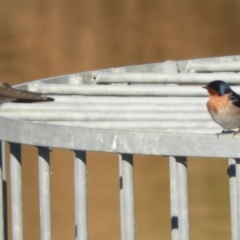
(233,197)
(127,197)
(44,193)
(16,191)
(172,67)
(121,197)
(238,194)
(80,172)
(182,197)
(174,198)
(1,197)
(3,193)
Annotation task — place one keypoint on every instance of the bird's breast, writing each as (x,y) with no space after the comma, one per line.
(218,104)
(223,111)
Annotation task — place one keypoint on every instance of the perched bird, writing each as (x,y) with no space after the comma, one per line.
(10,94)
(223,105)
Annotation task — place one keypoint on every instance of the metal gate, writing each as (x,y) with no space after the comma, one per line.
(156,109)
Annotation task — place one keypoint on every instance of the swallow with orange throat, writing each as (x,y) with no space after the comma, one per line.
(223,105)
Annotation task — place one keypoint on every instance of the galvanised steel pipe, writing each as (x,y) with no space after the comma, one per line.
(119,90)
(111,100)
(106,116)
(213,66)
(193,78)
(81,107)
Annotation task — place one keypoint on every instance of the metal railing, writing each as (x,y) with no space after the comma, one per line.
(130,110)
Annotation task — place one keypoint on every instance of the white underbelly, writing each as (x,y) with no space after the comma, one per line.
(225,120)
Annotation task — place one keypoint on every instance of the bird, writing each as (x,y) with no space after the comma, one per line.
(10,94)
(223,105)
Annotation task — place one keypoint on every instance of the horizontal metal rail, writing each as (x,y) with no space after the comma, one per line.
(213,66)
(147,107)
(155,129)
(129,141)
(107,116)
(142,124)
(106,77)
(147,126)
(121,90)
(110,100)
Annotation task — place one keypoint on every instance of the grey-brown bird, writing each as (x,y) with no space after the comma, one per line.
(10,94)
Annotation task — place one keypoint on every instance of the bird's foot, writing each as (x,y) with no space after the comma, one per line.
(238,131)
(220,133)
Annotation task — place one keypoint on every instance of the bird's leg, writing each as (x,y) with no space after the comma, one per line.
(221,132)
(238,131)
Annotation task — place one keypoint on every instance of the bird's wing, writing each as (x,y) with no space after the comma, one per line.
(235,99)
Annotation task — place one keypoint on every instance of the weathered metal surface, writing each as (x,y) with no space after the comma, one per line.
(120,141)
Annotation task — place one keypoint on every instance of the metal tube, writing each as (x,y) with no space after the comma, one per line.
(174,198)
(107,116)
(112,100)
(238,194)
(16,191)
(122,217)
(212,66)
(57,107)
(3,193)
(127,197)
(130,141)
(120,90)
(182,198)
(233,197)
(209,125)
(106,77)
(2,237)
(176,184)
(143,127)
(44,193)
(80,182)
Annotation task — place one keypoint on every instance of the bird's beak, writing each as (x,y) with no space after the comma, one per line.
(204,87)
